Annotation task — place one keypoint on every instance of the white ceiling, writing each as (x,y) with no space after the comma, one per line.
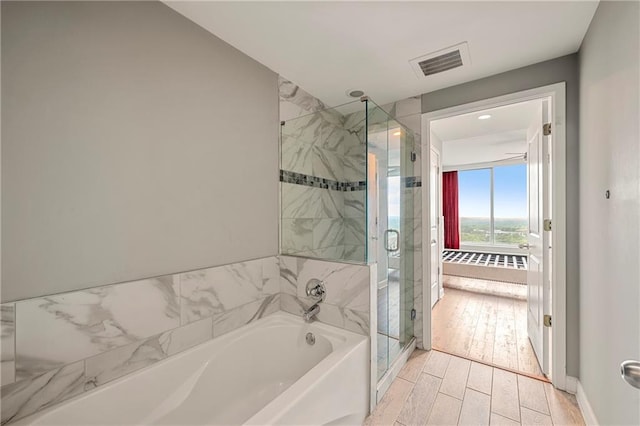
(329,47)
(468,140)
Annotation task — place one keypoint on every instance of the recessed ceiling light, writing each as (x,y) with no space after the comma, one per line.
(398,133)
(354,93)
(484,117)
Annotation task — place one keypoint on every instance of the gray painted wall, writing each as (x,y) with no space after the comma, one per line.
(610,229)
(134,144)
(542,74)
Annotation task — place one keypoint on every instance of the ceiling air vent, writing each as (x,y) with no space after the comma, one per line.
(442,60)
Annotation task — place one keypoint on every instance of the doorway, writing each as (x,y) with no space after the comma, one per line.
(498,269)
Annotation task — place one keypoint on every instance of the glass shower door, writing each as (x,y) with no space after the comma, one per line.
(391,234)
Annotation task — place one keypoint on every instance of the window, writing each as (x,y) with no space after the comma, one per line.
(474,204)
(493,205)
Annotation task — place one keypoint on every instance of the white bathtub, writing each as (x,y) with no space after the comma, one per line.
(261,374)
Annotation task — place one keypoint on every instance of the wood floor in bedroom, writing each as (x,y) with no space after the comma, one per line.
(486,328)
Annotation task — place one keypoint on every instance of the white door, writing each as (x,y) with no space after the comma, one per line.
(434,233)
(538,290)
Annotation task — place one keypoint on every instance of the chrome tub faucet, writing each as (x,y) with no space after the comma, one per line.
(310,313)
(317,291)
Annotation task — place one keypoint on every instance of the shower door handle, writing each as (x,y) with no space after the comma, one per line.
(396,246)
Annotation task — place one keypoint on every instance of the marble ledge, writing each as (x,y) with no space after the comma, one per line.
(7,343)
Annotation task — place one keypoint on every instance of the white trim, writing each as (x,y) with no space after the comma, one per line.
(588,414)
(572,385)
(557,93)
(425,170)
(477,166)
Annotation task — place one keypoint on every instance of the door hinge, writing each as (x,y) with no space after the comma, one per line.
(414,156)
(413,314)
(546,129)
(547,320)
(547,224)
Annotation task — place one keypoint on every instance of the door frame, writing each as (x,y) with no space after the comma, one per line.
(557,94)
(439,216)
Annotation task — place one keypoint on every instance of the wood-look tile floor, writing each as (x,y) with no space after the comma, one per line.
(486,328)
(435,388)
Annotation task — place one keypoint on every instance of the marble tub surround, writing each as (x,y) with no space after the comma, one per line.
(57,330)
(214,291)
(7,344)
(226,322)
(347,299)
(344,318)
(72,342)
(25,397)
(119,362)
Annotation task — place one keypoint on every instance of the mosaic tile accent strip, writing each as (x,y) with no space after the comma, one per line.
(412,182)
(317,182)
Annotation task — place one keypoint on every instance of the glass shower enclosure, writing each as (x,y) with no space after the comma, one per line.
(346,196)
(390,157)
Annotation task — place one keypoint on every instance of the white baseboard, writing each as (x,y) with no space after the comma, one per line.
(587,412)
(571,385)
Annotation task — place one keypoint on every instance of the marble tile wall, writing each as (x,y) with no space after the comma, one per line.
(299,231)
(347,301)
(8,342)
(315,142)
(69,343)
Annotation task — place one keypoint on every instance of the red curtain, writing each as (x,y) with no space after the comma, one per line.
(450,210)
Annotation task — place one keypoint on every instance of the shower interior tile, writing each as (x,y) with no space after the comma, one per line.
(354,253)
(354,204)
(332,204)
(327,164)
(301,202)
(327,253)
(296,156)
(328,233)
(297,235)
(354,231)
